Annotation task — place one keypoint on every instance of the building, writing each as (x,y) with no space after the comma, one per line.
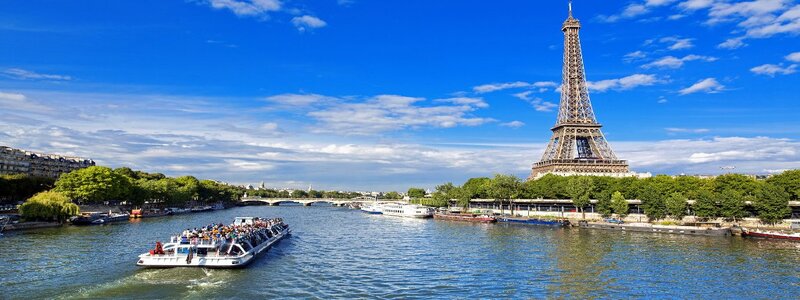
(16,161)
(577,146)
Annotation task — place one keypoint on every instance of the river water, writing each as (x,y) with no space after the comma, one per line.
(341,253)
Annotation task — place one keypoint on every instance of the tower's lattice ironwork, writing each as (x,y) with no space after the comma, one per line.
(577,145)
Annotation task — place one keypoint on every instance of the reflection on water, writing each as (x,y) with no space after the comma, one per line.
(340,253)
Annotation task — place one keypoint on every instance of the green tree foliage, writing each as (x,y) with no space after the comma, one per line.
(579,188)
(653,204)
(604,205)
(477,188)
(705,205)
(772,204)
(676,205)
(731,204)
(392,195)
(789,181)
(503,188)
(299,194)
(744,185)
(548,187)
(416,193)
(94,184)
(619,205)
(48,206)
(19,187)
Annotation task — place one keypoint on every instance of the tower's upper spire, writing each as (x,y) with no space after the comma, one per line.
(570,8)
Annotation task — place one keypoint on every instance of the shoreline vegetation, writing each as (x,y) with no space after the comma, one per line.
(730,197)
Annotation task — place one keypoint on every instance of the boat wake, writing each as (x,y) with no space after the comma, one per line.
(153,282)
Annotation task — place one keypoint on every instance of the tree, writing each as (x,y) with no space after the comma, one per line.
(299,194)
(773,204)
(94,184)
(705,205)
(731,204)
(477,188)
(416,193)
(578,189)
(789,181)
(676,205)
(462,197)
(619,205)
(742,184)
(653,204)
(604,205)
(392,195)
(48,206)
(504,188)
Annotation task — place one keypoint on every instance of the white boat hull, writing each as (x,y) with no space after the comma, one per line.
(209,261)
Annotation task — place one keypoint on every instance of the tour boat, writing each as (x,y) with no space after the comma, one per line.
(253,236)
(177,211)
(771,234)
(373,208)
(466,217)
(535,221)
(406,210)
(93,218)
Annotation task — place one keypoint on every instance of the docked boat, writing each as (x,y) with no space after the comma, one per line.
(374,208)
(177,211)
(148,213)
(217,246)
(218,206)
(93,218)
(771,234)
(201,209)
(406,210)
(464,217)
(647,227)
(535,221)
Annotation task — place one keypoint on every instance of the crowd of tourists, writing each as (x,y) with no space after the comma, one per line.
(217,233)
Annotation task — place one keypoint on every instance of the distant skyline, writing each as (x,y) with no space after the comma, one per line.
(385,95)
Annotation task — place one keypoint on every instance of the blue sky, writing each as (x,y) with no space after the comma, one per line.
(383,95)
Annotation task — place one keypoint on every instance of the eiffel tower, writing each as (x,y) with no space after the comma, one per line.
(577,146)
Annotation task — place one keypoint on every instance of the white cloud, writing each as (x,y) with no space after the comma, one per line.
(12,97)
(794,57)
(696,4)
(306,22)
(772,70)
(30,75)
(493,87)
(513,124)
(476,102)
(677,43)
(393,112)
(247,8)
(299,99)
(708,85)
(671,62)
(624,83)
(686,130)
(633,56)
(732,43)
(538,103)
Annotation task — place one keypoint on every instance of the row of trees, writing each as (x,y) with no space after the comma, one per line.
(662,196)
(19,187)
(98,184)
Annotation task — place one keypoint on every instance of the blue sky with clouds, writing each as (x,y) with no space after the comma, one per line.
(382,95)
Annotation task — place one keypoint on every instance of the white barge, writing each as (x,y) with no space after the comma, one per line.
(216,245)
(407,210)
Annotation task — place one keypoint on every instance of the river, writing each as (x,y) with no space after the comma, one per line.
(341,253)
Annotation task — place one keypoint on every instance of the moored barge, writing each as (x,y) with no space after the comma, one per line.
(464,217)
(771,234)
(645,227)
(535,221)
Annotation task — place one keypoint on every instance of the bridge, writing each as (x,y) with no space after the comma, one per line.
(305,201)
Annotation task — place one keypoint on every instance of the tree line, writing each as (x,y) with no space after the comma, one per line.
(57,200)
(662,196)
